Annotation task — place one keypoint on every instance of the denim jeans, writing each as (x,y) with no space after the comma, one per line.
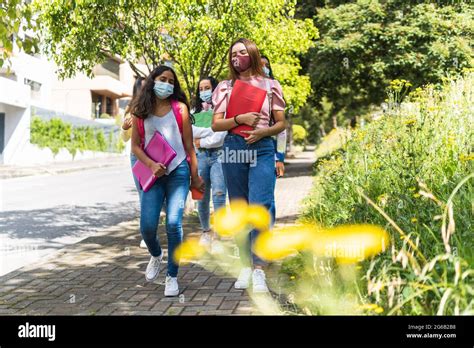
(210,169)
(252,181)
(273,206)
(133,160)
(174,188)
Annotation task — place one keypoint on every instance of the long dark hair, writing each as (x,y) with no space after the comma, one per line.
(198,101)
(145,103)
(269,66)
(137,86)
(255,61)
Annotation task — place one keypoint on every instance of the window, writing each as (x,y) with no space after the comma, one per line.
(108,68)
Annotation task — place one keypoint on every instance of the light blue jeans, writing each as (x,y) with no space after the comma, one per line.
(174,188)
(210,169)
(253,181)
(133,160)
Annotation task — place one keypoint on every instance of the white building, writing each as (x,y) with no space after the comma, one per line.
(32,83)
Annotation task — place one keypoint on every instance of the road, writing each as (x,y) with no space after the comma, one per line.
(41,214)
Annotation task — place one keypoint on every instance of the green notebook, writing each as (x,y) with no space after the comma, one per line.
(203,119)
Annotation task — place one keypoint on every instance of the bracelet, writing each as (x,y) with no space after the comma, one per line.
(235,120)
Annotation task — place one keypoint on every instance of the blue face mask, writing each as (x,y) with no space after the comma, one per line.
(163,90)
(206,96)
(266,71)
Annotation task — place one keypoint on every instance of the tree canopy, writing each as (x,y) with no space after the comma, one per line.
(194,34)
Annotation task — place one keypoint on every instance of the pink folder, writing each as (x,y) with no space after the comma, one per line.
(159,151)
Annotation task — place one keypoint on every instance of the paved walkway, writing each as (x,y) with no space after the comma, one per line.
(104,274)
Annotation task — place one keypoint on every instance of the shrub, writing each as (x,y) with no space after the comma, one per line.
(408,163)
(299,134)
(56,134)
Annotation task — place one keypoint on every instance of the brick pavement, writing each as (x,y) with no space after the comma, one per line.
(104,274)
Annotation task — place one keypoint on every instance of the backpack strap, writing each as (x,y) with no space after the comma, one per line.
(268,86)
(179,120)
(141,131)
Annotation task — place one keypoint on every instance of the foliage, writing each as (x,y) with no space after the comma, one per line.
(193,35)
(56,134)
(16,16)
(416,164)
(299,134)
(105,116)
(366,44)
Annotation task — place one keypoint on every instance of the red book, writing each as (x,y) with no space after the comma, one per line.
(244,98)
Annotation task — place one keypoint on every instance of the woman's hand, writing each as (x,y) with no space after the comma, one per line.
(198,183)
(127,123)
(197,143)
(280,169)
(158,169)
(254,135)
(250,118)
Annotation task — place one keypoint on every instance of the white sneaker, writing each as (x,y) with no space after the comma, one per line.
(244,278)
(153,268)
(205,240)
(143,244)
(258,280)
(171,286)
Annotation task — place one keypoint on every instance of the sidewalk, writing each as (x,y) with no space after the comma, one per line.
(104,274)
(14,171)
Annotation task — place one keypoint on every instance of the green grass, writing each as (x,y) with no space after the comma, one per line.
(414,164)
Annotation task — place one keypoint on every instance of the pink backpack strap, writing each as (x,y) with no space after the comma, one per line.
(179,120)
(141,131)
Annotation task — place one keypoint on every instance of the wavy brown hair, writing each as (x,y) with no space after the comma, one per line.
(145,103)
(255,59)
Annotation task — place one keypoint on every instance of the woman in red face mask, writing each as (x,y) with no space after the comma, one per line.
(251,176)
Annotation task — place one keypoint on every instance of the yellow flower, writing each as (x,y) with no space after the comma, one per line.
(283,242)
(466,158)
(231,222)
(378,310)
(188,250)
(227,222)
(350,243)
(416,195)
(410,122)
(368,306)
(258,216)
(414,219)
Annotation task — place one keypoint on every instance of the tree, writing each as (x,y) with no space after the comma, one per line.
(366,44)
(16,16)
(193,34)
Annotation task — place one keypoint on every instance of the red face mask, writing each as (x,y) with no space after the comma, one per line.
(241,63)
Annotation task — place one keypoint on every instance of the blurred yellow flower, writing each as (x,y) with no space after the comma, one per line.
(416,195)
(188,250)
(350,243)
(414,219)
(378,310)
(228,223)
(258,216)
(283,242)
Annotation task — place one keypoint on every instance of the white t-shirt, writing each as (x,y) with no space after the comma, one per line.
(168,127)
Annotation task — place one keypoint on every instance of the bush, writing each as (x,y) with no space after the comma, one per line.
(299,134)
(56,134)
(408,163)
(105,116)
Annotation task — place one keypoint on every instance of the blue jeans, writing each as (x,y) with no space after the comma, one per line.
(174,188)
(273,206)
(252,180)
(133,160)
(210,169)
